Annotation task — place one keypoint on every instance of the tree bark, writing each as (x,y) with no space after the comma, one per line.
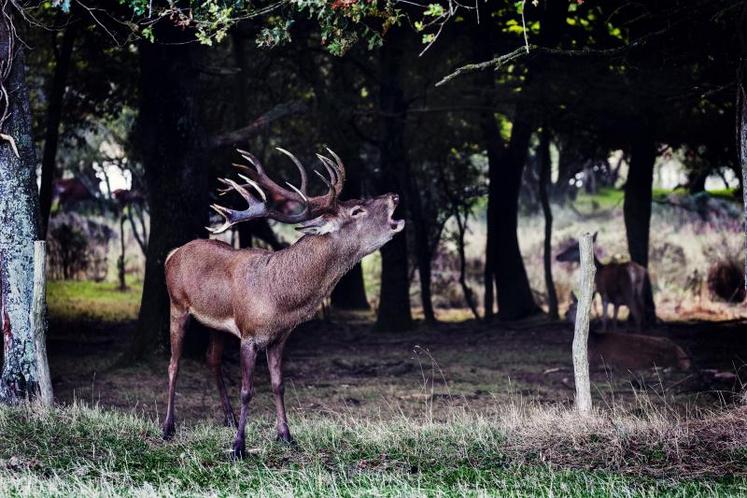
(544,181)
(423,253)
(39,320)
(469,296)
(580,346)
(515,299)
(19,218)
(394,313)
(172,146)
(54,119)
(637,206)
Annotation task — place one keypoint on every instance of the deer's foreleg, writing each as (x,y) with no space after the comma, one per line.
(214,357)
(248,361)
(178,326)
(615,309)
(275,364)
(605,304)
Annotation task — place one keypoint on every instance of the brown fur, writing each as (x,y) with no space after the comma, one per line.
(618,284)
(261,296)
(635,351)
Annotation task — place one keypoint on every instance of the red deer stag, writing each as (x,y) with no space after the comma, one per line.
(261,296)
(617,283)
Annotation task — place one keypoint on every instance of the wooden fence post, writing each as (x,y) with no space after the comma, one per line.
(581,329)
(39,322)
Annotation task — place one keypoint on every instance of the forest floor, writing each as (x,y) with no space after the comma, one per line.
(459,408)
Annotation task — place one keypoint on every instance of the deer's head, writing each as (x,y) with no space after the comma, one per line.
(365,225)
(572,254)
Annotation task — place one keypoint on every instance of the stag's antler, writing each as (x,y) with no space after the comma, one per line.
(281,198)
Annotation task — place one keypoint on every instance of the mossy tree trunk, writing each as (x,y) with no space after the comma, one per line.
(19,218)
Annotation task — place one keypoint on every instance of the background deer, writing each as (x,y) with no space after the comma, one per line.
(261,296)
(617,283)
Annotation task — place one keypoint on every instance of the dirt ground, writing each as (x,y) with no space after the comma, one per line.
(341,366)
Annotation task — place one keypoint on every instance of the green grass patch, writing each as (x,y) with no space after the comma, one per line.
(605,198)
(73,300)
(78,451)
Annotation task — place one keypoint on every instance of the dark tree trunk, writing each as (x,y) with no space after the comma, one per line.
(394,303)
(469,296)
(504,268)
(350,291)
(54,118)
(515,299)
(696,182)
(637,205)
(423,252)
(544,181)
(172,147)
(494,146)
(19,218)
(121,261)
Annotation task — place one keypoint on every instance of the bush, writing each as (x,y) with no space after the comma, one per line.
(726,280)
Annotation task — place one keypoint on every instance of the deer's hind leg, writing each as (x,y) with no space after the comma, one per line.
(214,359)
(179,319)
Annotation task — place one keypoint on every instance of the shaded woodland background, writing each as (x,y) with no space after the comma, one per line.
(134,134)
(441,364)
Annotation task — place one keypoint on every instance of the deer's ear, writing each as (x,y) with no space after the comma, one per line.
(319,225)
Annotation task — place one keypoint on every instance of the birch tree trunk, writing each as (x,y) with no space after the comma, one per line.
(581,330)
(19,217)
(39,320)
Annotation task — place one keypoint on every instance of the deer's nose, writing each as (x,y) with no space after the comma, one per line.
(395,199)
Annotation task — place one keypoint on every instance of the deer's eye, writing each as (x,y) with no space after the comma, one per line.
(357,211)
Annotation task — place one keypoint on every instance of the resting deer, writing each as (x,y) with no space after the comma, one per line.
(617,283)
(261,296)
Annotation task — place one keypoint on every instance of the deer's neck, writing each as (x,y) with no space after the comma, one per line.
(310,268)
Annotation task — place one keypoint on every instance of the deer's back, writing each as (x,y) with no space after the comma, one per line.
(619,281)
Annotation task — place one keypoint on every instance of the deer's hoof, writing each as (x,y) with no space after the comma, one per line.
(286,438)
(167,432)
(238,452)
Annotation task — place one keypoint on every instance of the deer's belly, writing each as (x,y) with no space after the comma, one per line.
(224,324)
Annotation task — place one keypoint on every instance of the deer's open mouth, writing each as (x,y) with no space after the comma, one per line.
(396,225)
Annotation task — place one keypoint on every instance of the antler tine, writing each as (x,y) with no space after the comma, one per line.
(298,191)
(301,169)
(275,191)
(340,166)
(331,169)
(255,185)
(332,194)
(252,159)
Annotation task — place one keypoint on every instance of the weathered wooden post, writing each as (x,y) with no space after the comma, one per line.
(39,322)
(581,329)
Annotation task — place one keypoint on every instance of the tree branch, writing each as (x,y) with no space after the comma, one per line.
(237,136)
(529,50)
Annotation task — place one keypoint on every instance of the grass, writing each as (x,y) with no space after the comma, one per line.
(95,301)
(81,451)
